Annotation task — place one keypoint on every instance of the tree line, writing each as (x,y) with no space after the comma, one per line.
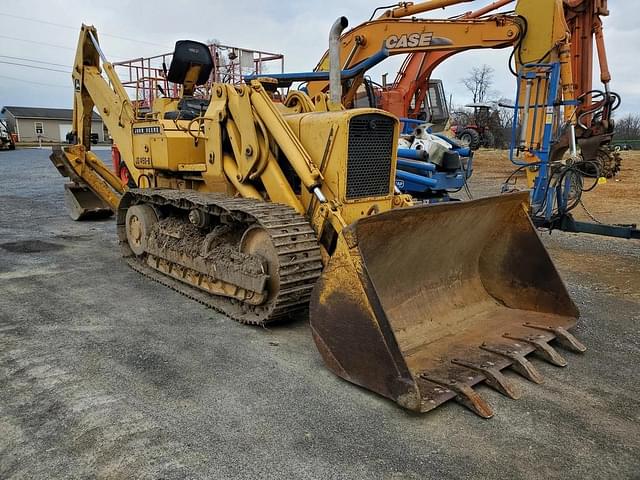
(479,83)
(627,127)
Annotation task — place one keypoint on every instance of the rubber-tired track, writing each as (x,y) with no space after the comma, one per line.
(300,261)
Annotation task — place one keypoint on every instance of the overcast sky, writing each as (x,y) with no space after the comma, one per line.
(298,29)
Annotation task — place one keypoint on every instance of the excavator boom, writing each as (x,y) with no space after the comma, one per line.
(403,36)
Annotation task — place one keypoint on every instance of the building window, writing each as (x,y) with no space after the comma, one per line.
(39,128)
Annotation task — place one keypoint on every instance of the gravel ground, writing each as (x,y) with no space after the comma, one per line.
(104,374)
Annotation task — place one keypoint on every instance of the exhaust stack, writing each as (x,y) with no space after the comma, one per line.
(335,83)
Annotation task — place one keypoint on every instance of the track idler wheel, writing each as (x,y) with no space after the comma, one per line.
(257,241)
(139,221)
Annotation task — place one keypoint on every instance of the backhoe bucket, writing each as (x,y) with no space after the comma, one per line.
(82,203)
(420,304)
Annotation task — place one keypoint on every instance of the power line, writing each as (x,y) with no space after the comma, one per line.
(35,66)
(60,25)
(35,61)
(120,57)
(35,83)
(36,42)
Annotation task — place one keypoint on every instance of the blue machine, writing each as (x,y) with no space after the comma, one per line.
(558,186)
(547,197)
(425,180)
(287,79)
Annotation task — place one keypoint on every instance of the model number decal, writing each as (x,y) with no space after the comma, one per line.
(143,162)
(145,130)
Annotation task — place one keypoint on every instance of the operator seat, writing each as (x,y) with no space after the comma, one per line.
(188,109)
(190,67)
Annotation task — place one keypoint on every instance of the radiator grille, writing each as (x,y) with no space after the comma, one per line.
(370,153)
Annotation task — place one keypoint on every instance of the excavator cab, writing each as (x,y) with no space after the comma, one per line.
(435,106)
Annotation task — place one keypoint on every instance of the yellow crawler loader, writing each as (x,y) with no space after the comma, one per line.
(264,209)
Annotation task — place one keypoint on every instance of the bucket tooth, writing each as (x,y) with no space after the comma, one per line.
(564,337)
(539,342)
(432,394)
(520,363)
(465,395)
(494,377)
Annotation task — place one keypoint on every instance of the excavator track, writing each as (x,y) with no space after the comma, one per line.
(294,240)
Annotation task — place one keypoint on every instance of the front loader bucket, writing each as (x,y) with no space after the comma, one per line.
(420,304)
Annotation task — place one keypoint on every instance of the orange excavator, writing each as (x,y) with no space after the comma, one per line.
(406,96)
(427,41)
(482,29)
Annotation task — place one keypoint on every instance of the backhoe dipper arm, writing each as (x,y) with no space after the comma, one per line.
(77,162)
(91,89)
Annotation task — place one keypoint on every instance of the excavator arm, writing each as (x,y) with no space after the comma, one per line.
(406,96)
(94,190)
(402,36)
(585,25)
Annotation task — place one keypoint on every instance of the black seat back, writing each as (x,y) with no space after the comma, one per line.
(188,54)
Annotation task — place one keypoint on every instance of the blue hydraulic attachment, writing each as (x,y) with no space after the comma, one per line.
(425,180)
(558,186)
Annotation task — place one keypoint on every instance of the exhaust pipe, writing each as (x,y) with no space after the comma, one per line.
(335,83)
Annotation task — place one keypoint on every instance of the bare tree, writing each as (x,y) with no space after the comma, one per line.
(504,113)
(501,121)
(479,83)
(628,128)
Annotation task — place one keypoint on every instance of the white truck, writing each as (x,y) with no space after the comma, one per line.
(6,140)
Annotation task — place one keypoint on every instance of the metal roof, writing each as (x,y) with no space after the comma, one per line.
(44,113)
